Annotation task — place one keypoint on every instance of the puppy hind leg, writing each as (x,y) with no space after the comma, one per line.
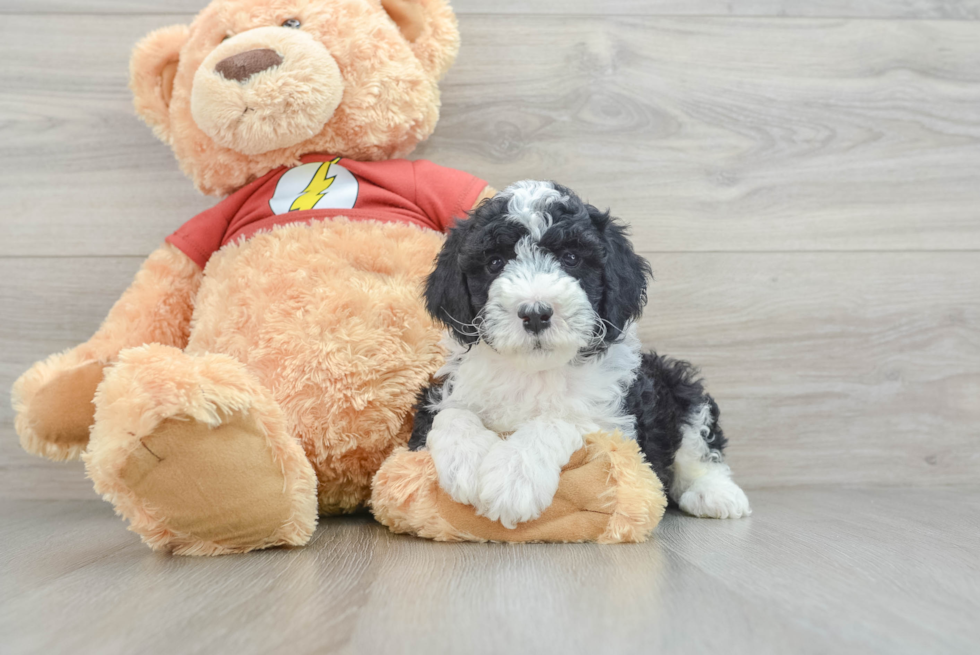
(702,481)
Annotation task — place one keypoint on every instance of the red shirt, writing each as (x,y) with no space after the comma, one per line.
(395,191)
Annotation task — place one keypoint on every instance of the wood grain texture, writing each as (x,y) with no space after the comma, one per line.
(803,180)
(830,368)
(706,134)
(35,326)
(812,571)
(906,9)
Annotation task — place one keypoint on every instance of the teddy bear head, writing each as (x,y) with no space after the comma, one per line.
(251,85)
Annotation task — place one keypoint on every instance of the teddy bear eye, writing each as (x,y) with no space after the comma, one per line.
(292,23)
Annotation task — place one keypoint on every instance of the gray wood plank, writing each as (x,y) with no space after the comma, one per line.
(831,365)
(812,571)
(905,9)
(831,368)
(707,134)
(54,304)
(914,9)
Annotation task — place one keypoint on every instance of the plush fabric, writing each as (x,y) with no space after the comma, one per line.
(607,494)
(199,502)
(395,191)
(55,419)
(152,70)
(53,399)
(188,471)
(291,362)
(278,107)
(344,342)
(220,410)
(390,96)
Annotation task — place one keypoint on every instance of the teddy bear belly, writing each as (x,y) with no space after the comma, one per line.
(329,318)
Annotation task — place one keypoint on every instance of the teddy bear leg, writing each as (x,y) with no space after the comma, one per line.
(606,493)
(194,452)
(53,405)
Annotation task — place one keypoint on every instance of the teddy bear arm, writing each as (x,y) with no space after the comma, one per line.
(156,308)
(53,399)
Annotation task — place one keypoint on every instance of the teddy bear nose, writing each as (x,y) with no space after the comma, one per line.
(244,65)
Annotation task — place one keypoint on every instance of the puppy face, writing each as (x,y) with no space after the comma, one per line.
(539,276)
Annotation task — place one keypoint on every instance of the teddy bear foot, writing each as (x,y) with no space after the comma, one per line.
(53,405)
(607,493)
(194,453)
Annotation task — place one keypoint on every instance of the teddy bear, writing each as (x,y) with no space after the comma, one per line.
(265,360)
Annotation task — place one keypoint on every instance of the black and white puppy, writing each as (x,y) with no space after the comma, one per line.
(540,291)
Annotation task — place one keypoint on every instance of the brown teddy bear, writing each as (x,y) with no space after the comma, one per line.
(265,360)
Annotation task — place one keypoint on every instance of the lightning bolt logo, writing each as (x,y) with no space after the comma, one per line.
(321,182)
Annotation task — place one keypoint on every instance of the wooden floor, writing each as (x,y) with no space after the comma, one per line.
(805,178)
(814,570)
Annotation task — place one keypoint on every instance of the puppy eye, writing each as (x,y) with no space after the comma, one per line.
(495,264)
(292,24)
(570,259)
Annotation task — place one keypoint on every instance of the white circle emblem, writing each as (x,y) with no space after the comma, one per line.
(317,185)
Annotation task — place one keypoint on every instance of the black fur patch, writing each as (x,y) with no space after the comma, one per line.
(662,399)
(423,416)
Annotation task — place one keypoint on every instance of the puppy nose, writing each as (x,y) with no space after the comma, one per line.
(244,65)
(537,318)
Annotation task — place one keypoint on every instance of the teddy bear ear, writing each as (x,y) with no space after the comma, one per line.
(430,28)
(151,75)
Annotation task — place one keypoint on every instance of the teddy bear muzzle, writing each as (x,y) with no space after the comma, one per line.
(244,65)
(266,89)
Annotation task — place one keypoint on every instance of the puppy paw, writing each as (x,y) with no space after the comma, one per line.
(715,497)
(458,472)
(458,443)
(515,485)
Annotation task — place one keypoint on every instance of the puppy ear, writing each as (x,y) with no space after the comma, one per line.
(152,70)
(625,276)
(447,297)
(430,28)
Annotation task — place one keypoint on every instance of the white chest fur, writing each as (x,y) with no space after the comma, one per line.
(506,394)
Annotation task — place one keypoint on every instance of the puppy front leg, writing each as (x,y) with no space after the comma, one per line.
(519,476)
(458,442)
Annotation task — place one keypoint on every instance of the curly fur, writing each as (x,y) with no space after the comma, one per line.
(540,291)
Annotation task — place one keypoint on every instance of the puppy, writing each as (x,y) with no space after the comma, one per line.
(540,292)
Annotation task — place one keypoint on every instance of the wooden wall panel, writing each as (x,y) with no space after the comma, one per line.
(706,134)
(831,368)
(903,9)
(805,186)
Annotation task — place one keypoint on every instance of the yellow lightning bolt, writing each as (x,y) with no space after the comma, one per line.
(318,186)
